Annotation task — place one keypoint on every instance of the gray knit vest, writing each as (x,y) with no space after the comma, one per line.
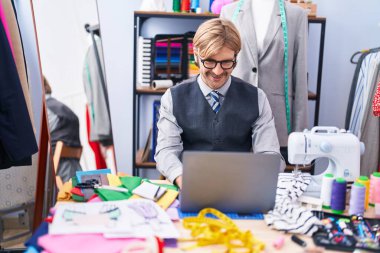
(228,130)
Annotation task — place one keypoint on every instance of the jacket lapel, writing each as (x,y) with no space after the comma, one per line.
(273,28)
(245,20)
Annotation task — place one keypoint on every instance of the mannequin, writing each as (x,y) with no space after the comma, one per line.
(261,10)
(261,60)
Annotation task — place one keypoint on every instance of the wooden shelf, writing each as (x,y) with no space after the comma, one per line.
(149,90)
(163,14)
(311,95)
(141,164)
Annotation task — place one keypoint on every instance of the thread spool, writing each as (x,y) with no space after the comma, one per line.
(357,199)
(177,5)
(365,181)
(185,6)
(375,177)
(209,8)
(377,192)
(194,5)
(327,183)
(338,196)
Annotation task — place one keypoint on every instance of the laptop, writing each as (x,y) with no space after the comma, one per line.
(232,182)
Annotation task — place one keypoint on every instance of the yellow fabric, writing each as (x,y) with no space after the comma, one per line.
(65,192)
(165,201)
(208,231)
(113,180)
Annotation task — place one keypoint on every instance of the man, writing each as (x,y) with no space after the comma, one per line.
(213,111)
(63,126)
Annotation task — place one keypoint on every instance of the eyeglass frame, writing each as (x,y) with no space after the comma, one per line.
(219,62)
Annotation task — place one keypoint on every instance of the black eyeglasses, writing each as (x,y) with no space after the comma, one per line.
(225,65)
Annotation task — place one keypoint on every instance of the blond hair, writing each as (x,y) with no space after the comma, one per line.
(215,34)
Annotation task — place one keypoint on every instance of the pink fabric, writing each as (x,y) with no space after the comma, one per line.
(5,24)
(96,199)
(80,243)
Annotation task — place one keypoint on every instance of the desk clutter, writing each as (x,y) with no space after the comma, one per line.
(345,233)
(122,213)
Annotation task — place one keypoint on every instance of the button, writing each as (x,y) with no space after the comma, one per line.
(325,147)
(254,69)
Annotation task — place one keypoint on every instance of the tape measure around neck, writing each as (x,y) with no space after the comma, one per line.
(286,53)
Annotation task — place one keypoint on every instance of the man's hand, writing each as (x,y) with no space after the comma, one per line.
(178,182)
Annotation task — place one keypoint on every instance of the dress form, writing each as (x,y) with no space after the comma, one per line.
(262,11)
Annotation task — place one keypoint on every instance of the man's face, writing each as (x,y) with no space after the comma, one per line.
(216,77)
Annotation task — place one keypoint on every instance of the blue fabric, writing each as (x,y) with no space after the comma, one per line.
(234,216)
(41,230)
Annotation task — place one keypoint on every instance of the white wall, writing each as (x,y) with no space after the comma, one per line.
(351,26)
(63,43)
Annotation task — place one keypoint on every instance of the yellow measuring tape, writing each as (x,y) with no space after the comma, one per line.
(208,231)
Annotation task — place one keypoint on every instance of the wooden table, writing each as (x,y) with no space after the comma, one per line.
(261,231)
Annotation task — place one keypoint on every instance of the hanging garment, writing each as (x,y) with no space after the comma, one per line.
(266,69)
(359,118)
(95,146)
(17,139)
(370,128)
(98,108)
(376,102)
(18,52)
(362,91)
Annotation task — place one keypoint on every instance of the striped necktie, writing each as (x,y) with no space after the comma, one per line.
(215,101)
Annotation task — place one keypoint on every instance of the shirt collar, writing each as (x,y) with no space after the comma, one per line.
(206,90)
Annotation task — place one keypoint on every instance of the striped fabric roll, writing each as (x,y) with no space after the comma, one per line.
(287,214)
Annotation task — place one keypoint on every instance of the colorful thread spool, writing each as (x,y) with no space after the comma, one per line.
(194,5)
(327,183)
(357,199)
(338,196)
(375,177)
(177,5)
(185,6)
(365,181)
(377,192)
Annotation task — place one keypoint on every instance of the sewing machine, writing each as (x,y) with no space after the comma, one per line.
(342,148)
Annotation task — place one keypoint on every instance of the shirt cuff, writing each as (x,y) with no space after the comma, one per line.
(174,174)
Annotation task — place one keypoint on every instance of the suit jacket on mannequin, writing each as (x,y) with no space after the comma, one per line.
(266,69)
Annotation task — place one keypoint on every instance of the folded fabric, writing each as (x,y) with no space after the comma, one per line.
(76,243)
(113,180)
(130,182)
(165,201)
(287,214)
(110,195)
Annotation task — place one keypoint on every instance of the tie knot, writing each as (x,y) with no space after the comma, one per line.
(214,95)
(215,101)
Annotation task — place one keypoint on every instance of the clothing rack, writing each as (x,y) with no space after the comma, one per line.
(362,54)
(95,30)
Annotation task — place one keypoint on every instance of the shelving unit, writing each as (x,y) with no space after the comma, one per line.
(140,19)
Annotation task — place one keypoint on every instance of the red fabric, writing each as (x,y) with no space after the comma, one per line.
(95,146)
(376,102)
